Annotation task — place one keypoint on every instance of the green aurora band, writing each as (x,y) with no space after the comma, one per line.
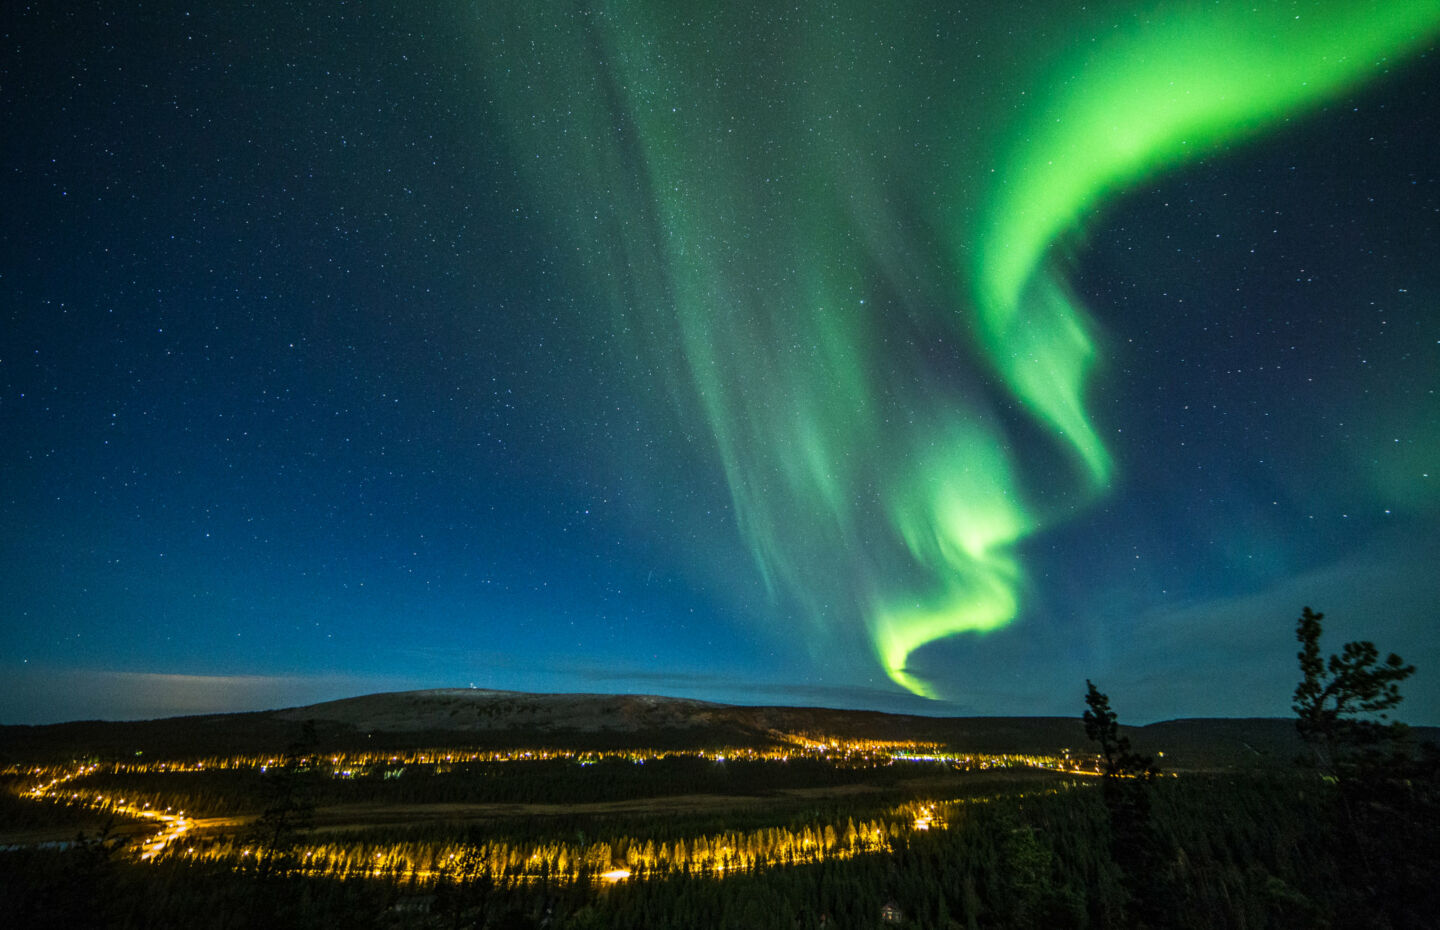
(830,233)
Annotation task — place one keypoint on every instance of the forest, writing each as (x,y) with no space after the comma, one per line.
(817,833)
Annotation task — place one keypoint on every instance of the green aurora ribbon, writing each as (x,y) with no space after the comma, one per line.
(830,234)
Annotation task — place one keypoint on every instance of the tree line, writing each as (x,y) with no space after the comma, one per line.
(1345,839)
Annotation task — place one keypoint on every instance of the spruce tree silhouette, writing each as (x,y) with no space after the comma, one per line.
(1126,786)
(1386,791)
(1342,705)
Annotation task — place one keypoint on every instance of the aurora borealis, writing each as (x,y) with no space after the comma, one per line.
(928,357)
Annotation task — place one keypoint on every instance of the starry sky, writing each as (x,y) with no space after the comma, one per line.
(921,357)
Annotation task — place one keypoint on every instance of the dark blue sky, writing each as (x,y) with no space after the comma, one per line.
(309,388)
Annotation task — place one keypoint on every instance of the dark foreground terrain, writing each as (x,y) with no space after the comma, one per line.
(486,809)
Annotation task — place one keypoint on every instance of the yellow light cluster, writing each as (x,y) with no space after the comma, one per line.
(718,855)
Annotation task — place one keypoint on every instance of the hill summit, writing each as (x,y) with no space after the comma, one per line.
(484,718)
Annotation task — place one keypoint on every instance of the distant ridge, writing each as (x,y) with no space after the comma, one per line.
(508,719)
(486,711)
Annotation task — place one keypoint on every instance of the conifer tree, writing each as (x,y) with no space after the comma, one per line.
(1388,794)
(1127,777)
(1342,704)
(291,810)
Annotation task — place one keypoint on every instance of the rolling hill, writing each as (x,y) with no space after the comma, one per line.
(507,719)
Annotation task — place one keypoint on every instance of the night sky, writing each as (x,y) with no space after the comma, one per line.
(919,357)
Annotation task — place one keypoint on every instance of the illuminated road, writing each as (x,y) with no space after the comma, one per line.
(173,824)
(717,854)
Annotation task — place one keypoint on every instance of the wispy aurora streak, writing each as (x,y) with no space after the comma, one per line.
(829,238)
